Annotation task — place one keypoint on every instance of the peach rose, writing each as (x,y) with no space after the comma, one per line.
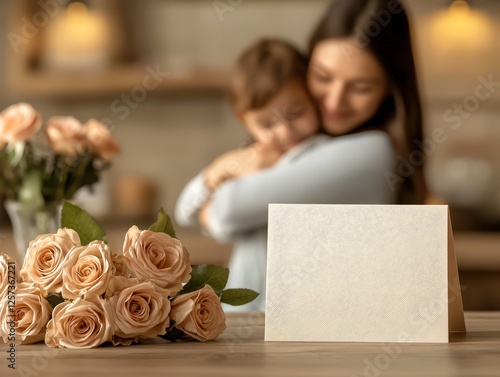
(30,313)
(102,142)
(8,274)
(199,314)
(79,324)
(66,136)
(87,270)
(120,269)
(157,257)
(45,257)
(140,310)
(19,123)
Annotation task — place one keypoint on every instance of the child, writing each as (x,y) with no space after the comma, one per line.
(270,98)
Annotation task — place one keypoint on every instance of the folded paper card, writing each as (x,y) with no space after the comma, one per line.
(361,273)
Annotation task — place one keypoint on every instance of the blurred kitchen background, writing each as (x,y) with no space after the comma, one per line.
(157,71)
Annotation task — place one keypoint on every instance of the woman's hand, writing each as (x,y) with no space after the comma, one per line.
(240,162)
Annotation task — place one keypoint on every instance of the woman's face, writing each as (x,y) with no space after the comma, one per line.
(348,83)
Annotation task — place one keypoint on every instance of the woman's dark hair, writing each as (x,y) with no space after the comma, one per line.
(382,27)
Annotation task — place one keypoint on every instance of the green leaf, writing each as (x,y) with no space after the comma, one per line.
(215,276)
(55,300)
(163,224)
(83,223)
(237,297)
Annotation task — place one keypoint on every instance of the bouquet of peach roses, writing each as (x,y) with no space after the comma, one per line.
(73,292)
(41,167)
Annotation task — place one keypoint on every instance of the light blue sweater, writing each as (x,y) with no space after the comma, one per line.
(321,170)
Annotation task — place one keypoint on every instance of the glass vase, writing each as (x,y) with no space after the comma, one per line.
(27,223)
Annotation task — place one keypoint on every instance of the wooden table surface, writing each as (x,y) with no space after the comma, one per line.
(241,351)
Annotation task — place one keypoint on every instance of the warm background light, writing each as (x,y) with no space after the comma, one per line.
(461,29)
(77,39)
(77,9)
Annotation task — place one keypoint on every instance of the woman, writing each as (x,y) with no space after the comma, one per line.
(362,77)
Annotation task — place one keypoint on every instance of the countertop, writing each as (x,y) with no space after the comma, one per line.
(242,351)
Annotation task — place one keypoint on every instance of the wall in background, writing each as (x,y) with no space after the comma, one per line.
(455,64)
(169,138)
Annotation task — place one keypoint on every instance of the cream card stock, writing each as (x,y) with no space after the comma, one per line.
(361,273)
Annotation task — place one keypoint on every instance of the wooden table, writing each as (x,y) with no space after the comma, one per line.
(241,351)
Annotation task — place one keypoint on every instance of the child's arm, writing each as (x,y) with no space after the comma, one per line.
(239,163)
(230,165)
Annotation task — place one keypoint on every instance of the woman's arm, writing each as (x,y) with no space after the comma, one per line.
(348,169)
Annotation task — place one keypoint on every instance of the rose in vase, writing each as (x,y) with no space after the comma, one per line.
(43,167)
(44,164)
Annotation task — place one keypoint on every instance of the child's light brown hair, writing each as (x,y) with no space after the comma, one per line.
(263,70)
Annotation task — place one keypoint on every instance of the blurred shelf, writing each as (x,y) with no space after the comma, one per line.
(478,251)
(127,69)
(117,80)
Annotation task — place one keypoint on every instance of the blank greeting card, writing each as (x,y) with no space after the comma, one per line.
(361,273)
